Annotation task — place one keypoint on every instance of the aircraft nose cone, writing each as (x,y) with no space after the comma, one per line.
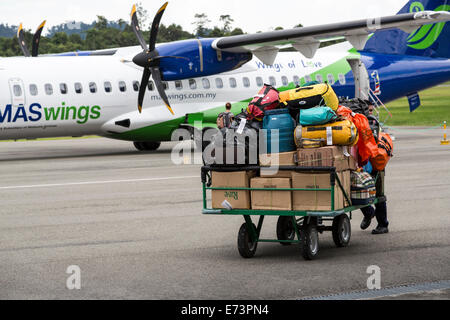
(141,59)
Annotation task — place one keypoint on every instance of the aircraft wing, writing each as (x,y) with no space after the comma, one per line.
(307,40)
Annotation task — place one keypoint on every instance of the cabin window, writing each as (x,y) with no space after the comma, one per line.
(296,81)
(92,87)
(178,84)
(33,90)
(122,86)
(17,90)
(272,81)
(165,85)
(63,88)
(342,78)
(206,84)
(233,83)
(259,81)
(78,87)
(330,78)
(308,78)
(48,89)
(136,86)
(319,78)
(192,84)
(108,87)
(246,82)
(219,83)
(151,85)
(284,81)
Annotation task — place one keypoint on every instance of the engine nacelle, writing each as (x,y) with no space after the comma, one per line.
(200,59)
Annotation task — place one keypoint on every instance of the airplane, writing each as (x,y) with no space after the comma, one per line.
(182,83)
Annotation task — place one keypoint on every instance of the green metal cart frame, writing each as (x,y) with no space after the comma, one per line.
(293,227)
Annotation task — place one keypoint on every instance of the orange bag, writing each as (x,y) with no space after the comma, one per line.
(367,146)
(384,152)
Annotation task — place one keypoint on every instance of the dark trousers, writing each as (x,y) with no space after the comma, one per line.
(380,212)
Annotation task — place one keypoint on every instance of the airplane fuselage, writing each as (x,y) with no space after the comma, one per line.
(76,96)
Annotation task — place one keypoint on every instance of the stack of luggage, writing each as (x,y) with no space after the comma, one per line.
(306,127)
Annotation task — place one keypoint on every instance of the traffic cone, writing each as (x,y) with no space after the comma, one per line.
(445,141)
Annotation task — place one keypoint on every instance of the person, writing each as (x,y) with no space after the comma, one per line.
(225,119)
(380,211)
(228,109)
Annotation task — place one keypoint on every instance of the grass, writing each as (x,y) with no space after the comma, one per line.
(435,109)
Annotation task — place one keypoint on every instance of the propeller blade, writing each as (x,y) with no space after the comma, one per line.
(21,39)
(37,39)
(144,82)
(155,26)
(137,29)
(160,87)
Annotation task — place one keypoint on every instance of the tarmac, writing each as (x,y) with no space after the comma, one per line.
(131,223)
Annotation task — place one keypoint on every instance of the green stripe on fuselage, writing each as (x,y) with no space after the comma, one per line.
(163,131)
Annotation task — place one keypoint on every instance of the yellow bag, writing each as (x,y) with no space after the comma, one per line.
(309,97)
(340,133)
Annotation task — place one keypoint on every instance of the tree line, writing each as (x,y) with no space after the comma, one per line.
(105,34)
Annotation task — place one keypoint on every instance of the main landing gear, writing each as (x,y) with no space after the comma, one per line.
(147,146)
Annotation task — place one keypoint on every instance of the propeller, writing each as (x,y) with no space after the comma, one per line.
(149,58)
(36,40)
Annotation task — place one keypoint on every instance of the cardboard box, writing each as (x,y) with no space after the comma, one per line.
(271,200)
(275,160)
(239,199)
(332,156)
(319,200)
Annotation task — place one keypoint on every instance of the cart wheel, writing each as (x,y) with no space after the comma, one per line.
(342,230)
(246,247)
(285,230)
(309,245)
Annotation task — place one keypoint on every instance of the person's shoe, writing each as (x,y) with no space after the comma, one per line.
(380,230)
(365,223)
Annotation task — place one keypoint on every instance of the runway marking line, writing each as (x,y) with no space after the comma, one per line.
(94,182)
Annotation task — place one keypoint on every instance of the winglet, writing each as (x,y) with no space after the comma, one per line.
(133,10)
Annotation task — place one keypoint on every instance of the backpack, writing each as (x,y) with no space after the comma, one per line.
(266,99)
(356,105)
(384,152)
(224,120)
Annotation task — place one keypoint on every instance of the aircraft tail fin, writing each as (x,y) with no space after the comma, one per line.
(430,40)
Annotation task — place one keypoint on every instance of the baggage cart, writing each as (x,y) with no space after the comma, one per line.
(293,227)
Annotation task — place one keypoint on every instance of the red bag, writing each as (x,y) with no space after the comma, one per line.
(367,146)
(384,152)
(268,98)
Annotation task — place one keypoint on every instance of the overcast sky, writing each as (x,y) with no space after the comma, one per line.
(250,15)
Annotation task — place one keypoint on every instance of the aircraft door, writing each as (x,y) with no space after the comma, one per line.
(17,90)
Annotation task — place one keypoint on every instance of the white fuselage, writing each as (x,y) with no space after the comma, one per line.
(55,96)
